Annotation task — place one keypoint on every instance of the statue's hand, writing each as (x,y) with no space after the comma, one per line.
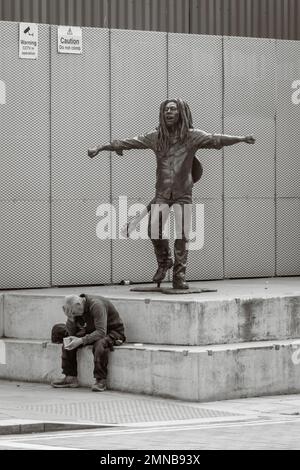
(249,139)
(92,152)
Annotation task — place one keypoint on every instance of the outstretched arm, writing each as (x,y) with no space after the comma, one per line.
(232,139)
(93,151)
(202,139)
(143,141)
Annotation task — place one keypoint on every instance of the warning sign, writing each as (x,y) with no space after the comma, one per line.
(69,39)
(28,40)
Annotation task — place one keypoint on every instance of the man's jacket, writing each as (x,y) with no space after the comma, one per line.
(100,318)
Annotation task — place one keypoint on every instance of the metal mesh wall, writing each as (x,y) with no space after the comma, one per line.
(138,85)
(249,108)
(287,157)
(249,237)
(195,74)
(288,236)
(132,259)
(25,244)
(249,171)
(288,119)
(207,262)
(25,163)
(205,257)
(113,90)
(79,257)
(80,114)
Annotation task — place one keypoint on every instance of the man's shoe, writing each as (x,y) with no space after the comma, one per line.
(162,271)
(67,382)
(99,386)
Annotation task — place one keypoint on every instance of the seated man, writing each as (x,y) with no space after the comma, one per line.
(89,321)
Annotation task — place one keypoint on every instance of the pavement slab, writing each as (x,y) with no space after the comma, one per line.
(36,408)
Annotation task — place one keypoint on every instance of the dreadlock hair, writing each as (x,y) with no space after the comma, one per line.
(189,115)
(185,122)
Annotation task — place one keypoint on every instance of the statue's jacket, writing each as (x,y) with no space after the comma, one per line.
(174,167)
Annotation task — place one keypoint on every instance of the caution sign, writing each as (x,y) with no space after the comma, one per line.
(28,40)
(69,39)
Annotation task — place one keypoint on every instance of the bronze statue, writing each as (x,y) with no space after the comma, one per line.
(174,143)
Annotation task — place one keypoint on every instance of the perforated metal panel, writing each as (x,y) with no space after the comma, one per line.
(249,108)
(82,116)
(133,174)
(288,236)
(79,256)
(207,262)
(139,85)
(195,74)
(249,237)
(288,118)
(80,119)
(24,119)
(25,241)
(132,259)
(205,257)
(25,163)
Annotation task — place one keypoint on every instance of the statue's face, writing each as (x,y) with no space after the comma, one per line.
(171,114)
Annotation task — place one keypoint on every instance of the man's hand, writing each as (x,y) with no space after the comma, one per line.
(92,152)
(109,343)
(75,343)
(249,139)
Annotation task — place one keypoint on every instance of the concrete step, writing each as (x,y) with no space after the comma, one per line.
(1,315)
(158,319)
(191,373)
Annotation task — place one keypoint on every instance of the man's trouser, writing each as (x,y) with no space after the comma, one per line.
(101,350)
(158,217)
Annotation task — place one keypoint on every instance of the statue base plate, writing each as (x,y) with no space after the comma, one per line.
(170,290)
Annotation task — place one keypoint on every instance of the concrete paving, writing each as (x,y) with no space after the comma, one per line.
(129,421)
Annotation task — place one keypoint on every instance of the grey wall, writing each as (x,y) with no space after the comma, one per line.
(258,18)
(25,163)
(59,105)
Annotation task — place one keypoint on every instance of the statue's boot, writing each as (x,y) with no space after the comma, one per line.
(164,259)
(181,255)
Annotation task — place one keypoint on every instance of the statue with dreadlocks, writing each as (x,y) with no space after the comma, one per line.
(174,143)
